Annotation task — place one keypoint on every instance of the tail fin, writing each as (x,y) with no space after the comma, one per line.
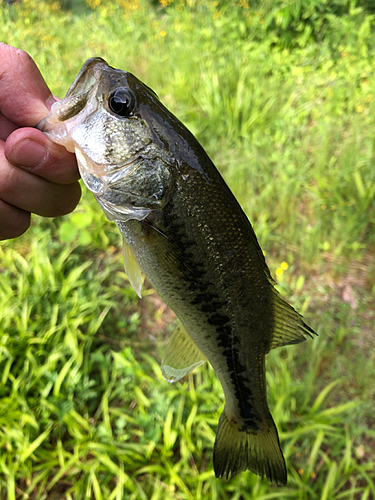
(237,450)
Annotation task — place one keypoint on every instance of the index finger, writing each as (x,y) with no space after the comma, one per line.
(24,95)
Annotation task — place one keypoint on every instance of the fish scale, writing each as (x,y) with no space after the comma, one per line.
(185,230)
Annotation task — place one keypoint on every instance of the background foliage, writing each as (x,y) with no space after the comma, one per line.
(280,93)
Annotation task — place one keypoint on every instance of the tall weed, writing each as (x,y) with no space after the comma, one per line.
(84,412)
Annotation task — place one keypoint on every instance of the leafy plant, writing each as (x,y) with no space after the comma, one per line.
(280,95)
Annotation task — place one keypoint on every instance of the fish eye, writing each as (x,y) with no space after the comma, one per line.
(121,102)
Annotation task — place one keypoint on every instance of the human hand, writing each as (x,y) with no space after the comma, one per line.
(36,175)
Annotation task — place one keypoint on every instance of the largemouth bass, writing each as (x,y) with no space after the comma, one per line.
(184,229)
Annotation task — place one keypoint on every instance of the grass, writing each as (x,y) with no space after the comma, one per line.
(84,411)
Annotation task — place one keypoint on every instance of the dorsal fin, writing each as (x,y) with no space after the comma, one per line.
(181,357)
(132,269)
(289,328)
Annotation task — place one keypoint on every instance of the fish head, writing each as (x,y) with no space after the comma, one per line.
(106,119)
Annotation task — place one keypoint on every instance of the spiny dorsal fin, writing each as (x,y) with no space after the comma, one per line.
(132,269)
(289,327)
(181,357)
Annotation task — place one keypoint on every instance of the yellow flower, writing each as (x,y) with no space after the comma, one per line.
(284,266)
(163,33)
(279,272)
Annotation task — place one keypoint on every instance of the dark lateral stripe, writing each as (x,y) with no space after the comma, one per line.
(237,372)
(206,298)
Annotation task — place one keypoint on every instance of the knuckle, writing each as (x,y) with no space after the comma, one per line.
(13,221)
(8,182)
(67,200)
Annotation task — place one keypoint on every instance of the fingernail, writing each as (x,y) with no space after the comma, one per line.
(51,100)
(29,154)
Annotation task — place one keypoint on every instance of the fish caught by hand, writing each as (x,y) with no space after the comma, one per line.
(184,229)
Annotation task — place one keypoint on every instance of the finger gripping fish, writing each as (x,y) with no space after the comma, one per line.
(184,229)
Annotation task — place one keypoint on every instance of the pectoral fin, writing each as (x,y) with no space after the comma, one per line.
(132,269)
(181,357)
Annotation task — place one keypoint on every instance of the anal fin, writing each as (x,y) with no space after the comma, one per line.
(181,357)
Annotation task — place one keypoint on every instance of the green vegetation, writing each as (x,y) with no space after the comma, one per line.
(281,96)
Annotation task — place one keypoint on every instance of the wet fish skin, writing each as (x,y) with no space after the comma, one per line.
(196,246)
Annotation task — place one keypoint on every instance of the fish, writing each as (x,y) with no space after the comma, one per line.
(184,229)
